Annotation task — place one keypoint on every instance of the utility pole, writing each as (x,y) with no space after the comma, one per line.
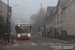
(8,35)
(40,17)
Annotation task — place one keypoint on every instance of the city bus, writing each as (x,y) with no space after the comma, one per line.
(23,31)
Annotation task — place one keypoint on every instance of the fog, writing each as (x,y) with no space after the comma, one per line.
(25,8)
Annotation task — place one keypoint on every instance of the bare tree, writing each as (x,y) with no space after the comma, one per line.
(38,19)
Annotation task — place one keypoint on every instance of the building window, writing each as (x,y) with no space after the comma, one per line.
(61,16)
(55,20)
(58,18)
(52,19)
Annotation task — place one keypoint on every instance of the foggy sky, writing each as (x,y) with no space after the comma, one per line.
(26,8)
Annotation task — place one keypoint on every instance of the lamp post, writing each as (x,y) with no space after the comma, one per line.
(12,38)
(8,28)
(14,6)
(6,39)
(8,36)
(11,27)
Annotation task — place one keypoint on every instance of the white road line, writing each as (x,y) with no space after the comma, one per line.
(57,48)
(55,43)
(16,41)
(33,43)
(60,44)
(51,43)
(63,44)
(44,44)
(69,44)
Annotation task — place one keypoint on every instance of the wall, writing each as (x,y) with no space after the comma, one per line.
(69,13)
(3,8)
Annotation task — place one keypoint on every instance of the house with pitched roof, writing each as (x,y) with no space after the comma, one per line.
(62,24)
(48,19)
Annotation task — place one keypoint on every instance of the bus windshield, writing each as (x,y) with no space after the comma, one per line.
(23,29)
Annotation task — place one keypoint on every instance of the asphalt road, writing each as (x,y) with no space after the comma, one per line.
(38,43)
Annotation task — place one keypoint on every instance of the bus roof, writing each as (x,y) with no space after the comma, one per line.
(23,23)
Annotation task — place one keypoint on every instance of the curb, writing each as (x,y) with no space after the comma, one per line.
(58,40)
(8,44)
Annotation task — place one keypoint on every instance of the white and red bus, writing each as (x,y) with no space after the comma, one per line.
(23,31)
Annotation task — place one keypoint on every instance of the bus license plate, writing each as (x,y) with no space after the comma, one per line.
(23,34)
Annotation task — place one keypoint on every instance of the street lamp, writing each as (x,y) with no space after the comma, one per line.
(8,28)
(11,13)
(8,21)
(14,6)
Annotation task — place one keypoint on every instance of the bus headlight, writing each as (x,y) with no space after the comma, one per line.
(18,35)
(29,35)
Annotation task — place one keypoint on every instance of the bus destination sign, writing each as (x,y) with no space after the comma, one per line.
(25,24)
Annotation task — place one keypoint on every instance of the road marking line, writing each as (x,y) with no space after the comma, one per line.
(64,44)
(51,43)
(33,43)
(69,44)
(16,42)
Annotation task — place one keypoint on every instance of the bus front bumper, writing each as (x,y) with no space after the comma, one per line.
(23,37)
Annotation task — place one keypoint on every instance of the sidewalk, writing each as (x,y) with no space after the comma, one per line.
(3,43)
(62,41)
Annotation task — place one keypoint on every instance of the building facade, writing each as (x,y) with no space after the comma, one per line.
(62,21)
(6,12)
(3,10)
